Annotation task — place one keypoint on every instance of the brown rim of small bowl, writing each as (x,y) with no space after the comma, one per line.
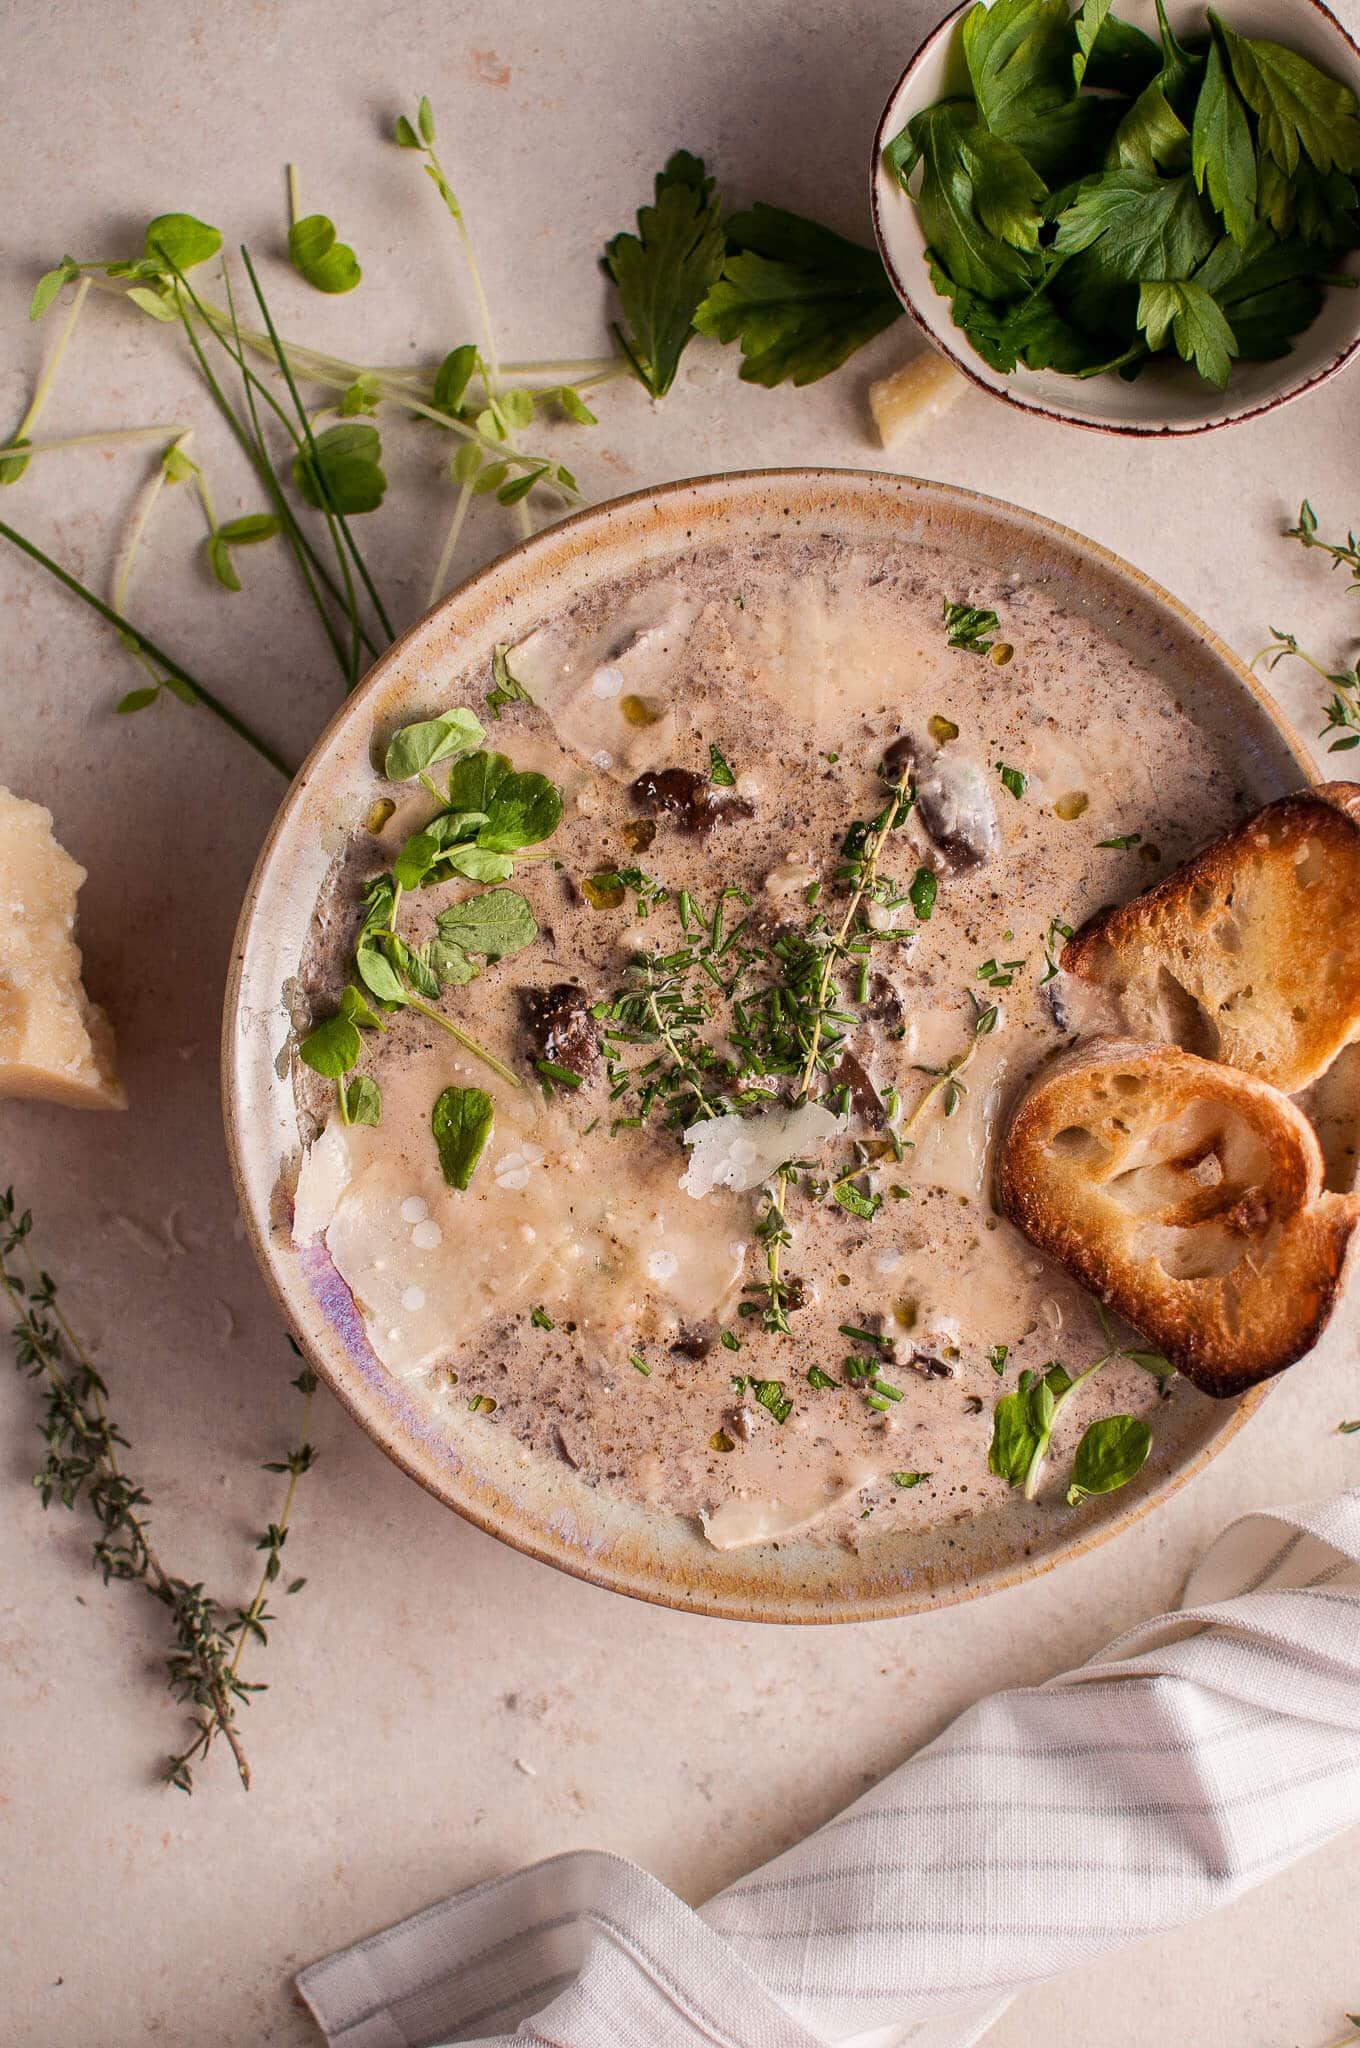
(960,359)
(658,1589)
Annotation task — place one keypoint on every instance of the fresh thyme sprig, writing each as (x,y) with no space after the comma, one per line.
(779,1293)
(946,1080)
(251,1623)
(82,1464)
(1341,711)
(861,854)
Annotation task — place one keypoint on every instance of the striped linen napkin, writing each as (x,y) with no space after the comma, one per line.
(1191,1759)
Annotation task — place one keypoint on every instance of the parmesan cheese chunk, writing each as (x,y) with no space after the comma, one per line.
(924,388)
(742,1151)
(54,1042)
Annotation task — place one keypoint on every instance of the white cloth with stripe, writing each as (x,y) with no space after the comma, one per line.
(1194,1757)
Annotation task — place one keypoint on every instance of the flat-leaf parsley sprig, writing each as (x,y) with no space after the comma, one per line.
(83,1465)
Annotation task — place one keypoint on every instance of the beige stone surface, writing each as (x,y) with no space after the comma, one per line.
(440,1708)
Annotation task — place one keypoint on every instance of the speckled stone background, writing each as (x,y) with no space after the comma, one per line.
(440,1708)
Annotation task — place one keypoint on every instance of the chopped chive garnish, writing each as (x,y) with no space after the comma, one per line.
(636,1360)
(560,1077)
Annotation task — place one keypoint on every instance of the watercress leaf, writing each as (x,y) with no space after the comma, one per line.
(49,285)
(332,1048)
(404,135)
(1223,154)
(720,770)
(346,475)
(176,685)
(220,562)
(450,963)
(491,478)
(505,687)
(412,963)
(159,304)
(362,395)
(363,1102)
(425,119)
(908,1479)
(462,1122)
(1057,1382)
(1195,321)
(179,240)
(358,1011)
(12,467)
(453,377)
(478,865)
(520,486)
(326,263)
(524,809)
(177,465)
(474,780)
(1015,1440)
(1152,1361)
(1111,1453)
(466,463)
(376,972)
(414,748)
(664,272)
(1299,109)
(137,700)
(418,855)
(1113,56)
(379,900)
(495,925)
(800,298)
(517,408)
(574,406)
(249,530)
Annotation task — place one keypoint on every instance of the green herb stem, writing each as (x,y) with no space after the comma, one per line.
(42,390)
(460,512)
(340,518)
(835,951)
(469,1044)
(113,1498)
(147,645)
(109,437)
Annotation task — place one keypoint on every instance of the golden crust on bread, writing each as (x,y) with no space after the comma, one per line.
(1188,1198)
(1250,953)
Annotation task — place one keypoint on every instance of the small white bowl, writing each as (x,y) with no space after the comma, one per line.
(1168,398)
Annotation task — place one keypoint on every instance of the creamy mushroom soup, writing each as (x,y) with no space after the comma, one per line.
(697,1199)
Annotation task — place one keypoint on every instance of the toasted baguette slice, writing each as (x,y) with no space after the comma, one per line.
(1250,953)
(1186,1197)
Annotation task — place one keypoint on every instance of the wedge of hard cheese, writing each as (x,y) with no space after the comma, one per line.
(54,1042)
(1250,953)
(1185,1196)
